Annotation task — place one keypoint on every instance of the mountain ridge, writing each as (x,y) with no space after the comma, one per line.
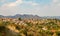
(22,16)
(30,16)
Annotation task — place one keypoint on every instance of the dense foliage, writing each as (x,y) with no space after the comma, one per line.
(29,27)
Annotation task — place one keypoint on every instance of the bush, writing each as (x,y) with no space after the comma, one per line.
(2,28)
(58,33)
(19,19)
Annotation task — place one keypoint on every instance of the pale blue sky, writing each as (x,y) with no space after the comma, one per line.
(35,7)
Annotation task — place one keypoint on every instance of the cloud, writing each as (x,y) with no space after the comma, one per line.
(10,4)
(55,1)
(13,3)
(52,9)
(19,2)
(34,4)
(18,7)
(31,3)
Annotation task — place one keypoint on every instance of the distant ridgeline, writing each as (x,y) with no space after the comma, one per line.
(30,16)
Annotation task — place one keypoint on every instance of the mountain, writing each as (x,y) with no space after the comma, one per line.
(52,17)
(1,16)
(30,16)
(22,16)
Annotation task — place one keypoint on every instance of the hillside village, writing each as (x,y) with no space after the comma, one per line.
(29,27)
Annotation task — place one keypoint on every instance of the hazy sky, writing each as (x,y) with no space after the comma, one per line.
(35,7)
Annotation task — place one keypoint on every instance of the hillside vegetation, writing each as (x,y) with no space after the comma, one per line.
(29,27)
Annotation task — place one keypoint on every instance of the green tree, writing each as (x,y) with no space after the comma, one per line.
(19,19)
